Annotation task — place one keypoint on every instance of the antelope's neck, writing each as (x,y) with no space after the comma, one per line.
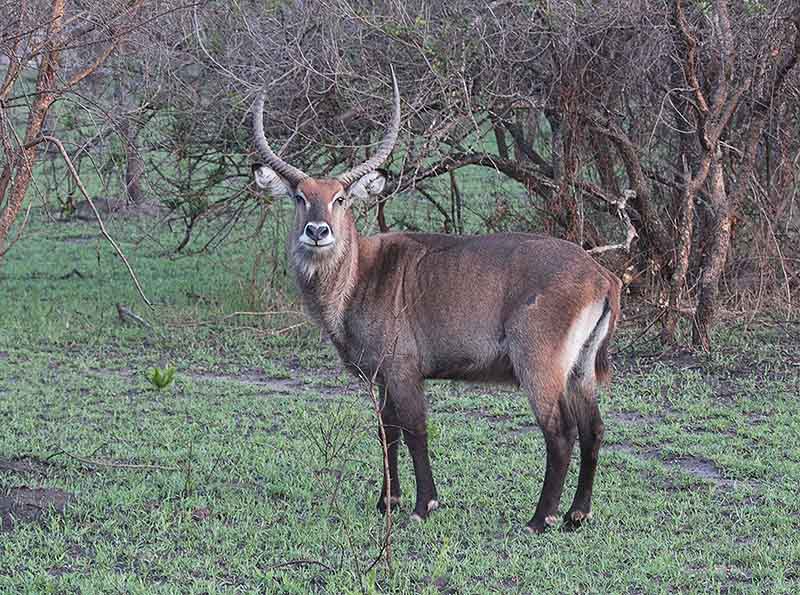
(327,292)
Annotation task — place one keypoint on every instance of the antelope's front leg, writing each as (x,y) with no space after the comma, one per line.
(406,396)
(427,500)
(415,433)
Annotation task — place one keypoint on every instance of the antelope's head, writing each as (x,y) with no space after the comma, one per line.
(324,226)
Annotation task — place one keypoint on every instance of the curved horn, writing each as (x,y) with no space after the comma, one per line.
(291,173)
(386,146)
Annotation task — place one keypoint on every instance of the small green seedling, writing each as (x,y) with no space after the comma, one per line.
(161,379)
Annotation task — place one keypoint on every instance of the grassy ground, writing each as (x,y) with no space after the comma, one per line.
(257,469)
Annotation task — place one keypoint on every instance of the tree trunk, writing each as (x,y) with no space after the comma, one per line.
(134,164)
(714,257)
(562,205)
(456,204)
(680,263)
(382,226)
(20,167)
(500,139)
(129,130)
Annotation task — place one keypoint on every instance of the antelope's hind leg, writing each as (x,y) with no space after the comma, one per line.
(559,436)
(545,384)
(590,429)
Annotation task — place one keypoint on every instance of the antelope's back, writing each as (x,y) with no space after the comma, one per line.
(465,297)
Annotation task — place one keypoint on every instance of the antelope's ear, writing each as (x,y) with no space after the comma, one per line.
(368,185)
(267,179)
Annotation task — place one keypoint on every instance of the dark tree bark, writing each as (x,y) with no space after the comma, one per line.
(719,234)
(134,164)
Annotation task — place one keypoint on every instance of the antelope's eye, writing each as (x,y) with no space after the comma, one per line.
(340,201)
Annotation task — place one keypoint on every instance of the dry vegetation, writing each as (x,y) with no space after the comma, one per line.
(683,111)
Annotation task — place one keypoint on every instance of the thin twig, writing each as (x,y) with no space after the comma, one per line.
(386,547)
(19,232)
(128,315)
(630,230)
(289,328)
(641,334)
(103,229)
(782,324)
(235,315)
(300,563)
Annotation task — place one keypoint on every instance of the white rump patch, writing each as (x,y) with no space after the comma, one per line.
(588,372)
(579,334)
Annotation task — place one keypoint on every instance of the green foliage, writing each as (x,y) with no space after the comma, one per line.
(161,378)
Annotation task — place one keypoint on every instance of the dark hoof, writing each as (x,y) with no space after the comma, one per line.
(537,526)
(575,518)
(382,504)
(420,514)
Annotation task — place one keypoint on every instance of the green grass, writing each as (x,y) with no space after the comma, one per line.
(257,469)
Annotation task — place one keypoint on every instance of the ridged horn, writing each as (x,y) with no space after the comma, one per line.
(291,173)
(385,148)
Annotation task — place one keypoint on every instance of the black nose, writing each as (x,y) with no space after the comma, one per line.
(317,232)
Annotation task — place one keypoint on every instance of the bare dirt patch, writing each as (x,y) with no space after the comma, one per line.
(24,504)
(327,388)
(494,418)
(524,429)
(624,448)
(106,373)
(696,466)
(24,465)
(527,425)
(278,385)
(638,361)
(701,468)
(325,382)
(80,239)
(634,418)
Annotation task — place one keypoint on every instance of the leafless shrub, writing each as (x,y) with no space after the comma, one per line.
(61,44)
(556,109)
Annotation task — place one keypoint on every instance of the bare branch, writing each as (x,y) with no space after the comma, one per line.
(630,230)
(103,229)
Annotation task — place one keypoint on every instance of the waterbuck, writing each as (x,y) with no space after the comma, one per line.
(403,307)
